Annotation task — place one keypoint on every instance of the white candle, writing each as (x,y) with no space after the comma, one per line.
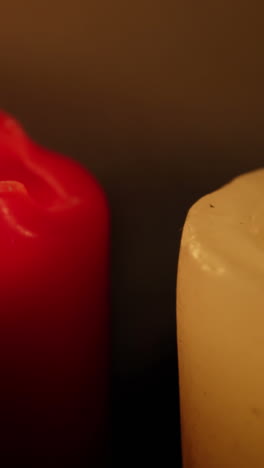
(220,327)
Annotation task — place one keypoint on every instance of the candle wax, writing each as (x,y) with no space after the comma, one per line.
(53,305)
(220,327)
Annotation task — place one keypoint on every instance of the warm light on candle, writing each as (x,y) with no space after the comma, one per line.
(54,332)
(220,327)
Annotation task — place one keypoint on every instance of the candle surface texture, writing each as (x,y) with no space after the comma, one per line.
(220,327)
(54,231)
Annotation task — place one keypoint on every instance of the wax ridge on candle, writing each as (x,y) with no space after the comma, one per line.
(36,183)
(12,186)
(48,177)
(217,220)
(15,147)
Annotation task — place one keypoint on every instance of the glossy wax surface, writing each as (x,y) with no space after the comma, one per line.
(53,301)
(220,327)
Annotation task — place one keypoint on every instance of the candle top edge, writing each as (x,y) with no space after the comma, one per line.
(224,230)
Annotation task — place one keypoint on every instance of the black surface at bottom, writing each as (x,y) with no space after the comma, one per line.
(146,428)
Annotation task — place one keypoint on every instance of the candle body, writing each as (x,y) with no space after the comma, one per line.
(220,323)
(53,305)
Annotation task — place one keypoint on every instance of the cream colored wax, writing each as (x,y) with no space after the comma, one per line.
(220,327)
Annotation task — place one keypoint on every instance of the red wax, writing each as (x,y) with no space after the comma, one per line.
(54,234)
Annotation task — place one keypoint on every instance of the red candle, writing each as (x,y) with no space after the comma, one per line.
(53,304)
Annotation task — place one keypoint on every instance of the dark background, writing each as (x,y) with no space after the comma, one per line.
(162,101)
